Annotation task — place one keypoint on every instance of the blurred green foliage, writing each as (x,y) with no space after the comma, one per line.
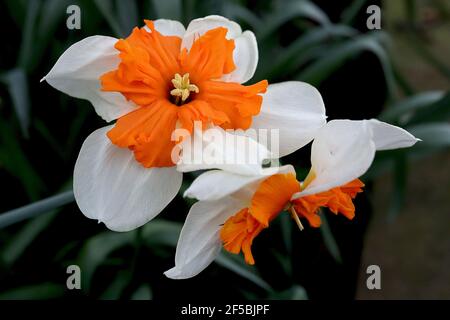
(41,131)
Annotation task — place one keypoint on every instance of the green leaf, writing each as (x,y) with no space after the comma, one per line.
(16,82)
(52,13)
(226,261)
(14,161)
(97,249)
(351,12)
(292,57)
(432,134)
(236,12)
(161,232)
(127,12)
(144,292)
(284,260)
(403,111)
(44,131)
(399,186)
(289,10)
(41,291)
(106,9)
(117,286)
(334,58)
(296,292)
(36,208)
(436,112)
(329,240)
(17,10)
(286,231)
(22,239)
(168,9)
(428,56)
(51,16)
(28,34)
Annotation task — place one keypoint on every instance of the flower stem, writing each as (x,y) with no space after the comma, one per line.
(32,210)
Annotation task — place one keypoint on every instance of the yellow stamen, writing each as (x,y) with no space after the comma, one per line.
(296,218)
(183,88)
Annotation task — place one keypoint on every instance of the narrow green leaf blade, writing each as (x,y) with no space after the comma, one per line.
(17,84)
(243,270)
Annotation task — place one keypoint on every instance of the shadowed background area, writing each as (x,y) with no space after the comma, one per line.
(399,74)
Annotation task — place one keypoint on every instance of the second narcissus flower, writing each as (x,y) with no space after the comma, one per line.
(233,209)
(160,78)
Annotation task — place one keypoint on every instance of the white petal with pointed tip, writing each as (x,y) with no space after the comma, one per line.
(77,73)
(342,151)
(245,57)
(199,242)
(296,109)
(216,148)
(112,187)
(198,27)
(217,184)
(387,136)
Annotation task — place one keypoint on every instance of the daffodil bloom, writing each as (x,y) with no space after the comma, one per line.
(233,209)
(160,78)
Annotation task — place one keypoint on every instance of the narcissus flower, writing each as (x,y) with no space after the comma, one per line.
(233,209)
(161,78)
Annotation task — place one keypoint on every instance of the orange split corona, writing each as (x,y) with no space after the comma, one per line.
(272,197)
(172,85)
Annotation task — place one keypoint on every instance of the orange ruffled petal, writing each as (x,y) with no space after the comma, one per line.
(238,232)
(148,131)
(268,201)
(272,196)
(338,200)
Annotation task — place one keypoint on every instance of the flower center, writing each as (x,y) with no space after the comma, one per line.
(182,88)
(148,63)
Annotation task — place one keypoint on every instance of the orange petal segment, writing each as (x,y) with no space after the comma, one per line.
(272,196)
(210,56)
(238,232)
(149,61)
(199,110)
(338,200)
(148,131)
(240,103)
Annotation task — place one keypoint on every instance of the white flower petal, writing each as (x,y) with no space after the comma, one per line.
(199,242)
(245,57)
(216,148)
(169,27)
(387,136)
(112,187)
(198,27)
(78,70)
(342,151)
(296,109)
(216,184)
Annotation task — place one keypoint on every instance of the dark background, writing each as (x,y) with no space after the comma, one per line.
(399,74)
